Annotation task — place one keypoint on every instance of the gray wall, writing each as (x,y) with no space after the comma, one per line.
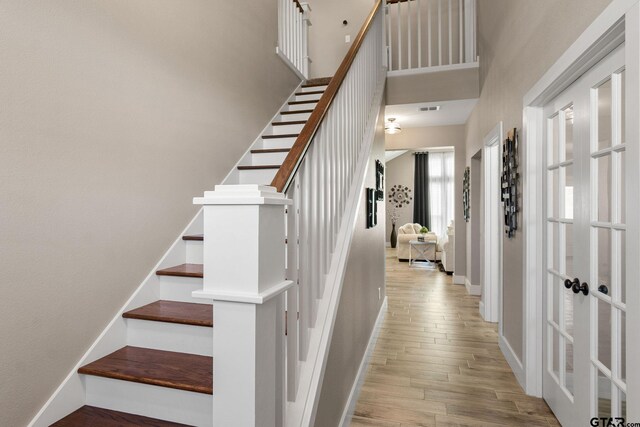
(441,136)
(513,56)
(327,47)
(359,301)
(114,115)
(399,171)
(433,87)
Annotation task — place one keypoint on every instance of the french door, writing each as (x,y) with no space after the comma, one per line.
(584,293)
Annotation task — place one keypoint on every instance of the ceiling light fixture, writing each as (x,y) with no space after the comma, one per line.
(392,127)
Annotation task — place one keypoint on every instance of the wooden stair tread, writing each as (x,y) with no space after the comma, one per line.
(295,122)
(183,313)
(193,237)
(303,102)
(296,112)
(270,150)
(91,416)
(258,167)
(182,371)
(311,92)
(320,81)
(288,135)
(183,270)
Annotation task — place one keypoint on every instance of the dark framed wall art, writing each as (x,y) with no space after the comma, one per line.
(510,180)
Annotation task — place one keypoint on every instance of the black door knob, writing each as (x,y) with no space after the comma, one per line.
(577,288)
(604,289)
(569,284)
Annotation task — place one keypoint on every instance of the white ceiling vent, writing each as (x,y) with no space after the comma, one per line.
(432,108)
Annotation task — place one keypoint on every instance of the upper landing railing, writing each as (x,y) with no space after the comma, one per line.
(430,35)
(293,35)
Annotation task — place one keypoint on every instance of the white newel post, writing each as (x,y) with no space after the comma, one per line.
(244,274)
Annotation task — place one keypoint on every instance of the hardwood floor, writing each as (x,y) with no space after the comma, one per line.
(437,363)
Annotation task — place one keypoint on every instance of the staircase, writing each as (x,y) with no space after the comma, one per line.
(288,209)
(170,342)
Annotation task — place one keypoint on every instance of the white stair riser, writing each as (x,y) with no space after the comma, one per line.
(170,337)
(313,88)
(257,176)
(278,143)
(310,97)
(305,106)
(268,158)
(151,401)
(286,129)
(294,117)
(194,251)
(180,289)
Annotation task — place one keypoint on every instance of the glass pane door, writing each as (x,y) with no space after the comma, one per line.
(608,247)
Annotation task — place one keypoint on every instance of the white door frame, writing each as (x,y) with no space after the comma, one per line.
(491,309)
(606,33)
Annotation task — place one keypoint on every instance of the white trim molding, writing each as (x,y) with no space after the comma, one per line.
(434,69)
(492,258)
(472,289)
(459,280)
(605,34)
(350,407)
(513,360)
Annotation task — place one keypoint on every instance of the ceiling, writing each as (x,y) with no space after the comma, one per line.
(392,154)
(450,113)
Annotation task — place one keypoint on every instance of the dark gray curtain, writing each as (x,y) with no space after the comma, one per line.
(421,211)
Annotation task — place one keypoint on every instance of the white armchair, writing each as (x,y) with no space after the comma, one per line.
(409,232)
(448,250)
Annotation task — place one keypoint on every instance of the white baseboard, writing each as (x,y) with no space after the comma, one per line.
(512,360)
(484,317)
(350,407)
(472,289)
(459,280)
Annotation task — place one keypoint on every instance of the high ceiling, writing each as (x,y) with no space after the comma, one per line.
(450,113)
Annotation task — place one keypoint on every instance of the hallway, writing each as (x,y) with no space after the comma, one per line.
(436,362)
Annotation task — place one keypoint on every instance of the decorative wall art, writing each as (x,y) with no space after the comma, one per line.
(379,180)
(510,180)
(372,208)
(400,196)
(466,194)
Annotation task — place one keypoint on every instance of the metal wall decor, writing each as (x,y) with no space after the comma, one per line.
(466,194)
(400,195)
(379,180)
(510,180)
(372,208)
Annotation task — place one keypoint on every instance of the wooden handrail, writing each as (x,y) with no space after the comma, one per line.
(285,174)
(299,6)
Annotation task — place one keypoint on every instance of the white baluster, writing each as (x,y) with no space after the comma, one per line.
(292,294)
(303,271)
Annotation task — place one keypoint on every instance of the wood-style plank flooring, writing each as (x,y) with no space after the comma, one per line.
(437,363)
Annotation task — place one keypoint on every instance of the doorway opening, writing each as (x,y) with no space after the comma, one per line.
(474,256)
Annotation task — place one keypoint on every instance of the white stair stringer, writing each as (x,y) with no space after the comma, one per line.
(77,390)
(302,411)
